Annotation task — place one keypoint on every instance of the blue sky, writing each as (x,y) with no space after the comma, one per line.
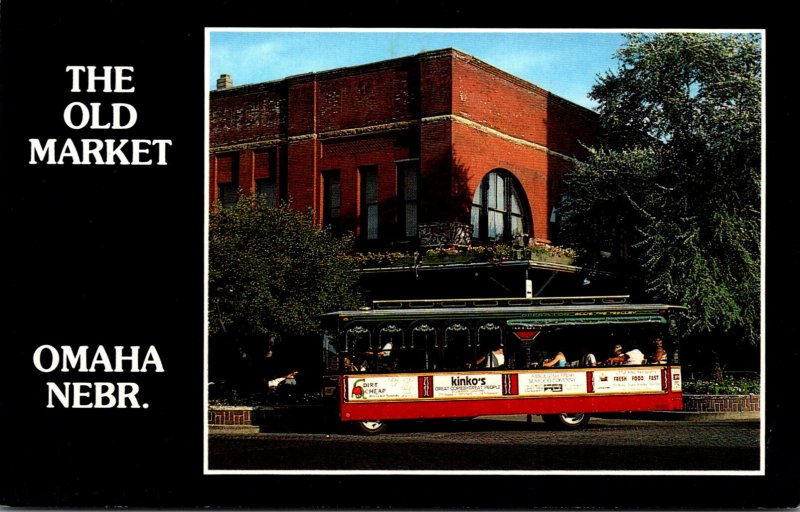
(564,63)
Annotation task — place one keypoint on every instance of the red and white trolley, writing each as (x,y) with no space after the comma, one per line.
(416,359)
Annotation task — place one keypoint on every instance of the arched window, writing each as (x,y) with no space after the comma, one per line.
(499,208)
(458,351)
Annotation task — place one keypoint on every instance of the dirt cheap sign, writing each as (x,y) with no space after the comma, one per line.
(382,388)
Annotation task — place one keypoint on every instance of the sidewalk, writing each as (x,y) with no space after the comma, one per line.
(649,416)
(234,429)
(683,416)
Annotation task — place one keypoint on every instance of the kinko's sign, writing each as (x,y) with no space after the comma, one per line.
(468,385)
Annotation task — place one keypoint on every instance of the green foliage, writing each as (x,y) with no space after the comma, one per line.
(272,271)
(727,385)
(373,259)
(674,193)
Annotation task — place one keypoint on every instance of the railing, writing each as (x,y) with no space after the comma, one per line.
(438,234)
(500,302)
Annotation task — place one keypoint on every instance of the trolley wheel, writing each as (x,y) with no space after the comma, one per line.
(370,427)
(566,421)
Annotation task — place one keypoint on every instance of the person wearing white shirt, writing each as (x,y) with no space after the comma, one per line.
(633,357)
(588,360)
(274,383)
(493,359)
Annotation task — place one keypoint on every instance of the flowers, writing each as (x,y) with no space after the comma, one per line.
(447,254)
(539,247)
(443,251)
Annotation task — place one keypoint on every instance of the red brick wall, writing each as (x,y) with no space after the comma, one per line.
(230,416)
(237,118)
(301,106)
(304,178)
(477,153)
(492,101)
(246,178)
(721,403)
(505,103)
(327,119)
(366,99)
(570,127)
(436,78)
(436,173)
(348,155)
(212,180)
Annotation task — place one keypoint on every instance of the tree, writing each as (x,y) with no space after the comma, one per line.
(271,272)
(674,191)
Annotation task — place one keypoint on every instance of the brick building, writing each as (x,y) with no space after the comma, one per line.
(390,148)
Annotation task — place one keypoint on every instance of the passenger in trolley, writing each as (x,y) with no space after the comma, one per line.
(632,357)
(660,355)
(557,361)
(494,358)
(587,359)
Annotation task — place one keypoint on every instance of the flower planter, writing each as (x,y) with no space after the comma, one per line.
(552,258)
(446,260)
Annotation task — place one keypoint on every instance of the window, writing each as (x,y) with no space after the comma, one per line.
(228,179)
(407,178)
(499,210)
(418,353)
(358,342)
(390,343)
(457,352)
(358,339)
(228,194)
(490,335)
(331,199)
(265,187)
(264,175)
(369,202)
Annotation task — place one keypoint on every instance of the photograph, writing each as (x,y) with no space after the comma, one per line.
(484,252)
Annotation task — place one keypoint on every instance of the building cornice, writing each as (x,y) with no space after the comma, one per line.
(334,135)
(277,85)
(500,135)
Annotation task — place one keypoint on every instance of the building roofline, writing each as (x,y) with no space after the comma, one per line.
(390,63)
(520,82)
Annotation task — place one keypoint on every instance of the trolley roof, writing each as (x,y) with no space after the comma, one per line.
(521,312)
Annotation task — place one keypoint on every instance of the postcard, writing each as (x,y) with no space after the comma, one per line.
(262,262)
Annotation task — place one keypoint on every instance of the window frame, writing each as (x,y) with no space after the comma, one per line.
(499,186)
(260,183)
(408,198)
(370,202)
(332,215)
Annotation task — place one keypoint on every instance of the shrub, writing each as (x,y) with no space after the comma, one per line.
(728,385)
